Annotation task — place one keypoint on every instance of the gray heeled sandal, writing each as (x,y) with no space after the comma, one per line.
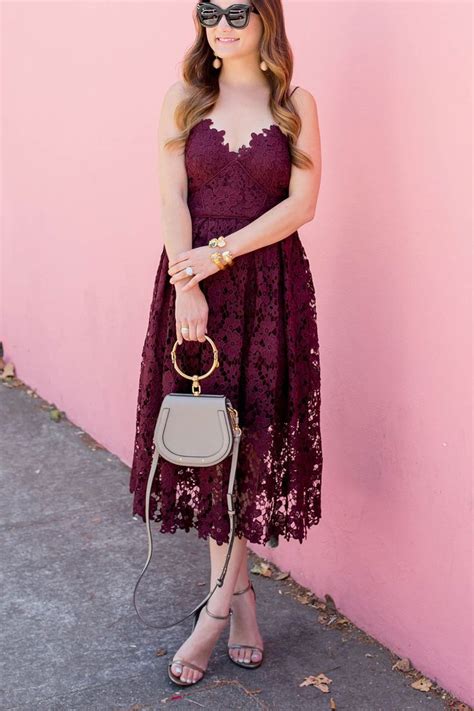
(249,664)
(183,662)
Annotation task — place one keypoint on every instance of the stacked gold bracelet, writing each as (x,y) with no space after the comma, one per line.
(221,259)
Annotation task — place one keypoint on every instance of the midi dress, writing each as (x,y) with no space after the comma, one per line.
(262,318)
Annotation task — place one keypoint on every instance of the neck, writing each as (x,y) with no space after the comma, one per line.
(241,73)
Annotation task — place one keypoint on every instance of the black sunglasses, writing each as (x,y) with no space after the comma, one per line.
(237,15)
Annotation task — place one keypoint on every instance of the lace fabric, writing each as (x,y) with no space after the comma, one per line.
(263,319)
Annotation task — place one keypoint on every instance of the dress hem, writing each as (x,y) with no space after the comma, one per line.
(270,540)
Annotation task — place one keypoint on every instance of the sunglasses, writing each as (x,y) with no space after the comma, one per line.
(237,15)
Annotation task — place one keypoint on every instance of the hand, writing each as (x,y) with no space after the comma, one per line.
(191,310)
(199,259)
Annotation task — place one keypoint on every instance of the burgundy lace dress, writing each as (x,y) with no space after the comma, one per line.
(262,318)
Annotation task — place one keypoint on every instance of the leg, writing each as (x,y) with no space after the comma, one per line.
(198,646)
(243,575)
(243,623)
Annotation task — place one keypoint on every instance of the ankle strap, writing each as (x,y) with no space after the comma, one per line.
(239,592)
(218,617)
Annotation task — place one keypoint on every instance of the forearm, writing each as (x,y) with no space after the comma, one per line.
(176,228)
(274,225)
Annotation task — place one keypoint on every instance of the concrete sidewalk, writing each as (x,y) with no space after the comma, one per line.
(71,553)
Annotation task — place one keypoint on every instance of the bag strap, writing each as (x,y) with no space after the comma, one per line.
(231,512)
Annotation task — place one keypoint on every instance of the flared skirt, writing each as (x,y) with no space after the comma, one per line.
(263,319)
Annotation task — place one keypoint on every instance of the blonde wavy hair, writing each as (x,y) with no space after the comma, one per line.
(202,83)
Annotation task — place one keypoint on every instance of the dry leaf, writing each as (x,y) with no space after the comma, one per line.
(321,682)
(160,652)
(262,569)
(422,684)
(305,598)
(282,576)
(55,414)
(332,703)
(402,665)
(319,605)
(8,371)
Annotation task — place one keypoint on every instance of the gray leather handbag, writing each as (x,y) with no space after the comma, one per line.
(194,430)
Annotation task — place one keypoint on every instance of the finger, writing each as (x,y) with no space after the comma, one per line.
(179,337)
(192,331)
(192,282)
(200,331)
(185,334)
(177,276)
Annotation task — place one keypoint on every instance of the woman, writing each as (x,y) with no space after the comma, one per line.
(249,173)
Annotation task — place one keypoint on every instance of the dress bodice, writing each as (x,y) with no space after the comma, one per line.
(243,183)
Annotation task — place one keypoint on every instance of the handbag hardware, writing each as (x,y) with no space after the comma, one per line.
(210,425)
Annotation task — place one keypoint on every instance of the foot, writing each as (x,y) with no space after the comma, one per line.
(197,647)
(244,628)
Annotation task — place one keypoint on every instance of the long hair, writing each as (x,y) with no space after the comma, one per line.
(202,82)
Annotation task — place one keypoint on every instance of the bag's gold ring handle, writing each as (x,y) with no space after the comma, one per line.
(195,378)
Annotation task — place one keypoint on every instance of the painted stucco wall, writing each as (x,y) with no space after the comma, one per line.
(389,248)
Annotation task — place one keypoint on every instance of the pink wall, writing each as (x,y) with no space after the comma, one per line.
(390,247)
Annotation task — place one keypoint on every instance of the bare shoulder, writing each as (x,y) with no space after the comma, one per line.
(309,137)
(304,183)
(172,170)
(173,96)
(305,103)
(176,91)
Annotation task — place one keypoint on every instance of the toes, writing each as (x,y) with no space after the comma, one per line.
(177,669)
(197,676)
(191,676)
(186,674)
(245,656)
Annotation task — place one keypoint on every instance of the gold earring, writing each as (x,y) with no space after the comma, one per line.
(216,63)
(263,65)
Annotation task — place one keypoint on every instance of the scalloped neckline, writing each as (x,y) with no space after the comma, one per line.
(245,147)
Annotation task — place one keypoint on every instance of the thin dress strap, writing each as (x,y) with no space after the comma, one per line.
(293,91)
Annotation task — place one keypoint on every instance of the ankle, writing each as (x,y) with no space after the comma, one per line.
(242,587)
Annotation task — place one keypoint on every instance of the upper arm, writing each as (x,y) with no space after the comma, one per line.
(305,182)
(173,181)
